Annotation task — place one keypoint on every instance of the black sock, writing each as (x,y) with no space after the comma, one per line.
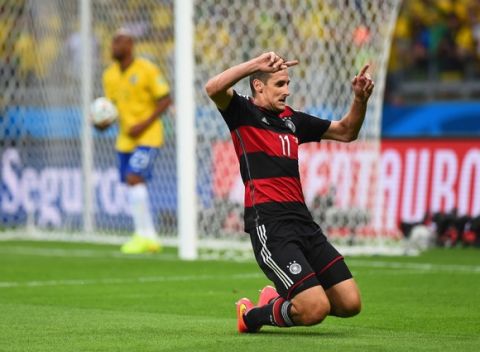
(276,313)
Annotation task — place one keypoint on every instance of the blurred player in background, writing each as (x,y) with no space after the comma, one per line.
(311,277)
(141,94)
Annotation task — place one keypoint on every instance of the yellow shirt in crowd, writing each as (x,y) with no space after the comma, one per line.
(135,92)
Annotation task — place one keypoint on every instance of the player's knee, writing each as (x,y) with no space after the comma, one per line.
(314,313)
(350,307)
(133,179)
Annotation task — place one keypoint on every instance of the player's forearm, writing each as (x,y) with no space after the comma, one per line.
(227,79)
(353,120)
(162,105)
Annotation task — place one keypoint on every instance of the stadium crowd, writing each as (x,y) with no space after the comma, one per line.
(435,40)
(57,42)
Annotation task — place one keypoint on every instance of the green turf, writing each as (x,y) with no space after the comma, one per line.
(79,297)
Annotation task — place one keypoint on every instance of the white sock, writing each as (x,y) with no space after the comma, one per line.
(140,210)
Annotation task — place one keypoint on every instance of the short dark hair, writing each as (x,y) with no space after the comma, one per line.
(262,76)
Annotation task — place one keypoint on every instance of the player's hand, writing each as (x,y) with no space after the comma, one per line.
(271,62)
(363,85)
(136,130)
(102,126)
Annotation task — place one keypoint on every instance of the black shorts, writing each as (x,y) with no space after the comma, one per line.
(296,256)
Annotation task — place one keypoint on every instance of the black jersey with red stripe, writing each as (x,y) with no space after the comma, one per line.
(266,144)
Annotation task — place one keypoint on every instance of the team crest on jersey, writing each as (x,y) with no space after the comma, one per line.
(133,79)
(289,123)
(294,268)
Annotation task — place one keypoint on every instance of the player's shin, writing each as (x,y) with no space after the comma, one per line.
(277,313)
(141,213)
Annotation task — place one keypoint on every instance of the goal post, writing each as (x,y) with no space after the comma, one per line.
(186,133)
(87,98)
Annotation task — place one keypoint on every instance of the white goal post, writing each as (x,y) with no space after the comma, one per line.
(186,133)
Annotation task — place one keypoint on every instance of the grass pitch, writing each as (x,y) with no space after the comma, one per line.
(80,297)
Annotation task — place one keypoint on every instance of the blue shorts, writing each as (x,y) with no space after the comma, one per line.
(139,162)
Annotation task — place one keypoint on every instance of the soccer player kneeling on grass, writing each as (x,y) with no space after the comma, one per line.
(310,276)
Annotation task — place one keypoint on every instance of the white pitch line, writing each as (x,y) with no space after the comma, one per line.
(114,281)
(82,253)
(116,254)
(475,269)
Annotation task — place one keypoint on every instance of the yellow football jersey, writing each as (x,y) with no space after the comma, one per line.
(135,92)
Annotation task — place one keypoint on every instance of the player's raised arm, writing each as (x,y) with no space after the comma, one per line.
(347,129)
(219,88)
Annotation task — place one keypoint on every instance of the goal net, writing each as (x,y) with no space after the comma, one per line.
(59,176)
(332,40)
(48,155)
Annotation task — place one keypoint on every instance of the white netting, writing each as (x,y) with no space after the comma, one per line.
(40,108)
(41,119)
(332,40)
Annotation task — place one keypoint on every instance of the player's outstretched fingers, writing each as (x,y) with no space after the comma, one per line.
(363,70)
(288,63)
(291,63)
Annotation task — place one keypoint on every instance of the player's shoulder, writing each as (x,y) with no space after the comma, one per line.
(239,101)
(110,70)
(241,98)
(298,114)
(145,64)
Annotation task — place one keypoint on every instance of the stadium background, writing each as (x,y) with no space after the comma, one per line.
(430,133)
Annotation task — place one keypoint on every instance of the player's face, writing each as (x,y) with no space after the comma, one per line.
(276,90)
(121,47)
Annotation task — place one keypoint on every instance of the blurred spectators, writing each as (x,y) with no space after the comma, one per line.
(33,30)
(434,41)
(448,229)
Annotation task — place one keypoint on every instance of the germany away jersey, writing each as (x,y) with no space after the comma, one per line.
(266,144)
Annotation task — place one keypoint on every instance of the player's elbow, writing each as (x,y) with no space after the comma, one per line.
(218,94)
(351,136)
(210,88)
(349,132)
(167,100)
(342,131)
(347,136)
